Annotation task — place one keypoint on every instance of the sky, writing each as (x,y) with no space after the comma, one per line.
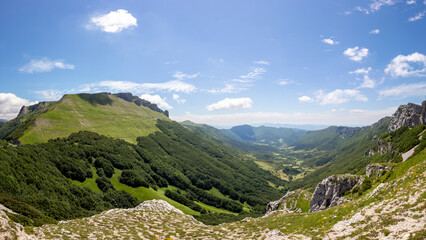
(222,63)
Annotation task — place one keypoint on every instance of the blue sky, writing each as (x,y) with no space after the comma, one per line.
(222,63)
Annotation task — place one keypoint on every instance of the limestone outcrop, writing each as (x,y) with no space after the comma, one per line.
(375,169)
(331,191)
(289,202)
(383,146)
(411,115)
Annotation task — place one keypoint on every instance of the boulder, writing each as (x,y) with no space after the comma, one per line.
(331,191)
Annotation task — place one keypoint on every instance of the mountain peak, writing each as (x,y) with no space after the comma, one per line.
(410,114)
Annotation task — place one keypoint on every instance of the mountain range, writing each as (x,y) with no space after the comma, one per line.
(88,153)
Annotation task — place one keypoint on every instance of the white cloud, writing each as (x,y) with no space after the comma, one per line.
(330,41)
(375,31)
(254,73)
(377,4)
(44,65)
(229,88)
(231,104)
(284,82)
(178,99)
(10,105)
(400,66)
(419,16)
(182,76)
(361,71)
(261,62)
(161,102)
(356,54)
(126,86)
(305,99)
(339,96)
(355,117)
(405,90)
(50,94)
(367,82)
(409,2)
(114,21)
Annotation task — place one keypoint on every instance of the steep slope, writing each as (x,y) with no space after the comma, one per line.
(103,113)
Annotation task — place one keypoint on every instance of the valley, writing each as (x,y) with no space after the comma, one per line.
(186,180)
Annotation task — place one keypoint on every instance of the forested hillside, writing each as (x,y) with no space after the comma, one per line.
(43,181)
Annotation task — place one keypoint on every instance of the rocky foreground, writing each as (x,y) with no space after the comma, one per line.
(393,210)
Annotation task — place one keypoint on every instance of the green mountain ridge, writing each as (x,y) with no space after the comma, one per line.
(103,113)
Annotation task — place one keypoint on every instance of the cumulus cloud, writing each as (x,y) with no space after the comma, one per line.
(356,54)
(353,117)
(231,104)
(178,99)
(306,99)
(367,82)
(114,21)
(329,41)
(126,86)
(161,102)
(339,96)
(413,65)
(418,16)
(405,90)
(182,76)
(44,65)
(375,31)
(262,62)
(409,2)
(10,105)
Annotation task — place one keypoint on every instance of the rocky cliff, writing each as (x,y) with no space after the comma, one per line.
(331,191)
(141,102)
(410,115)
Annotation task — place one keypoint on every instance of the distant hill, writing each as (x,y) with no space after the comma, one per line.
(265,135)
(104,113)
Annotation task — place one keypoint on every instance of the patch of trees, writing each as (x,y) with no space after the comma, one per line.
(184,200)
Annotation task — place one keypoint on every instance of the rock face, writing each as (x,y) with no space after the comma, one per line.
(374,170)
(331,191)
(411,115)
(141,102)
(288,202)
(384,147)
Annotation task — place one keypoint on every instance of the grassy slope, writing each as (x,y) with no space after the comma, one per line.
(121,119)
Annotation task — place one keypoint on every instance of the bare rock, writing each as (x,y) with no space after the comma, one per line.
(384,147)
(288,202)
(10,229)
(375,169)
(157,206)
(331,191)
(411,115)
